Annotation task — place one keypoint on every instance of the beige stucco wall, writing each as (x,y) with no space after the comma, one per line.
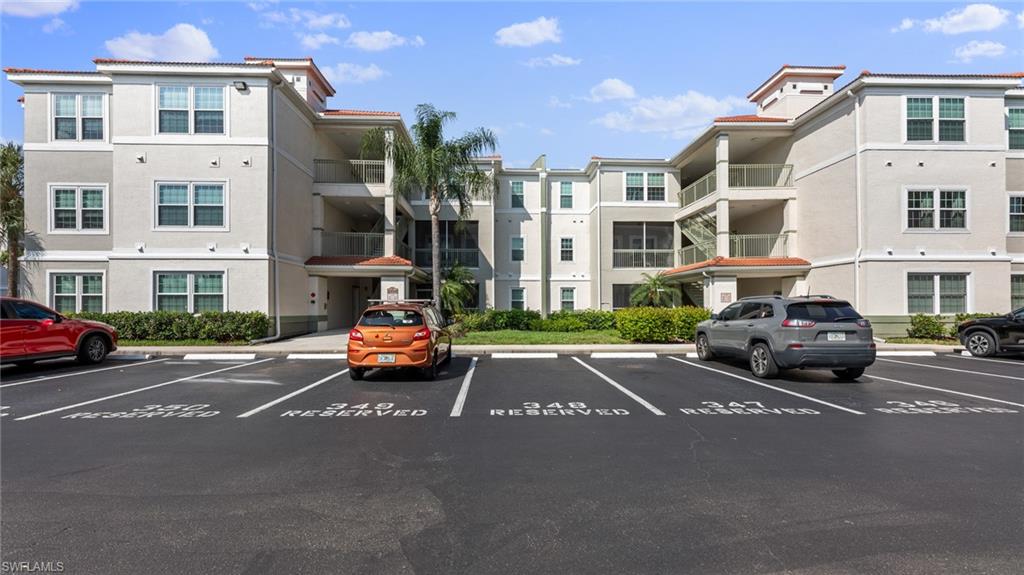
(883,114)
(35,278)
(827,212)
(130,282)
(884,285)
(45,168)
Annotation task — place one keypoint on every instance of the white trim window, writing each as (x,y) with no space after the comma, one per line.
(1016,291)
(78,209)
(923,124)
(518,197)
(937,293)
(655,187)
(565,195)
(517,298)
(1015,128)
(566,250)
(192,292)
(924,213)
(75,292)
(1016,213)
(644,186)
(181,205)
(634,186)
(183,109)
(78,117)
(517,249)
(567,298)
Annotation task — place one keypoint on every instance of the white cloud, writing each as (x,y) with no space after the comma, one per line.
(546,132)
(552,61)
(529,33)
(972,18)
(556,102)
(347,73)
(979,49)
(305,18)
(382,40)
(317,41)
(38,8)
(55,25)
(611,89)
(1020,20)
(905,24)
(181,42)
(679,116)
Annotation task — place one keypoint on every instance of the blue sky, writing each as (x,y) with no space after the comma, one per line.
(567,79)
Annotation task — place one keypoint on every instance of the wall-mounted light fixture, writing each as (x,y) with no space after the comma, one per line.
(241,86)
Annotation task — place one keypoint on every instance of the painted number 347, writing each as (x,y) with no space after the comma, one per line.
(716,405)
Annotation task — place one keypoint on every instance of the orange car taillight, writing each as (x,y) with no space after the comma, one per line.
(355,335)
(421,334)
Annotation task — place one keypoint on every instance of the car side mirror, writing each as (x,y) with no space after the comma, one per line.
(47,322)
(714,317)
(58,318)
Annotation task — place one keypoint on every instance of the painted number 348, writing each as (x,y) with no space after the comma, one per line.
(556,405)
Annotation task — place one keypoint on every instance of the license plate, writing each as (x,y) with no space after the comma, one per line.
(836,336)
(385,358)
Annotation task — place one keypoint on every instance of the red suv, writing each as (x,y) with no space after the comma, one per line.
(30,332)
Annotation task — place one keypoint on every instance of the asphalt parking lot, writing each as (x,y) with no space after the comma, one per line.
(568,464)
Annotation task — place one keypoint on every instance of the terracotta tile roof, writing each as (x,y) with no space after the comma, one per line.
(749,118)
(357,261)
(769,82)
(723,262)
(359,113)
(839,67)
(259,59)
(158,63)
(494,157)
(1006,75)
(41,71)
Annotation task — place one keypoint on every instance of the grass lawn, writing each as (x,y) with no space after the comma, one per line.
(513,337)
(922,340)
(175,342)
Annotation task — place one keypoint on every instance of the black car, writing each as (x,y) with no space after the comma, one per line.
(987,336)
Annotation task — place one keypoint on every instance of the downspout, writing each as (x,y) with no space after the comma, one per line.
(860,211)
(273,216)
(600,254)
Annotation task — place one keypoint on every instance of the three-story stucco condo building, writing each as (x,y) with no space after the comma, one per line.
(231,186)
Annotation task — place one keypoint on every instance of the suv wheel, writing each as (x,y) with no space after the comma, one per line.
(93,350)
(848,374)
(762,363)
(430,373)
(704,352)
(980,344)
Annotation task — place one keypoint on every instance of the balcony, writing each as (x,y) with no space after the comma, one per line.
(468,258)
(740,246)
(697,253)
(367,245)
(641,258)
(740,176)
(349,171)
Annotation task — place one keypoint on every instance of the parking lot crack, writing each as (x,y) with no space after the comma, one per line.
(694,455)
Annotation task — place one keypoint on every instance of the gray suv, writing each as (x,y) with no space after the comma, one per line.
(775,332)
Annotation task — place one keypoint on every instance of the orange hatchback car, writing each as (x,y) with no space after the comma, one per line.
(403,334)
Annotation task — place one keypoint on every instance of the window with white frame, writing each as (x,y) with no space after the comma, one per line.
(1016,291)
(655,187)
(924,125)
(192,292)
(517,299)
(78,209)
(518,199)
(634,187)
(517,246)
(190,109)
(565,249)
(76,292)
(936,293)
(78,117)
(565,196)
(641,186)
(1017,213)
(925,213)
(1015,128)
(190,205)
(568,298)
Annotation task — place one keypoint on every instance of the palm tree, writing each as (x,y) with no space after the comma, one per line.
(456,290)
(655,291)
(12,212)
(445,169)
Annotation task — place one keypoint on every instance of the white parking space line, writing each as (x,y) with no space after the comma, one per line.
(1001,376)
(525,355)
(616,385)
(944,390)
(692,354)
(129,356)
(317,356)
(293,394)
(141,389)
(970,357)
(899,353)
(755,382)
(49,377)
(464,390)
(221,356)
(623,355)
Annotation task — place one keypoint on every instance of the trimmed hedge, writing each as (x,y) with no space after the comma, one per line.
(927,326)
(171,326)
(962,317)
(685,320)
(659,324)
(493,320)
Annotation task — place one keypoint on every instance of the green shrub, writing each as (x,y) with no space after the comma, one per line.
(171,326)
(646,324)
(591,319)
(475,321)
(562,322)
(926,326)
(519,319)
(685,320)
(962,317)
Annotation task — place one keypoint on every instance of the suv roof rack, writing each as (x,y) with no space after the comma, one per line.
(815,296)
(773,296)
(398,301)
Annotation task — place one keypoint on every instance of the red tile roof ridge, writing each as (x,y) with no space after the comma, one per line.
(343,112)
(720,261)
(750,118)
(11,70)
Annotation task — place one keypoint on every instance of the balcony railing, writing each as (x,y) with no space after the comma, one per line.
(352,244)
(697,253)
(349,171)
(758,245)
(641,258)
(469,258)
(740,176)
